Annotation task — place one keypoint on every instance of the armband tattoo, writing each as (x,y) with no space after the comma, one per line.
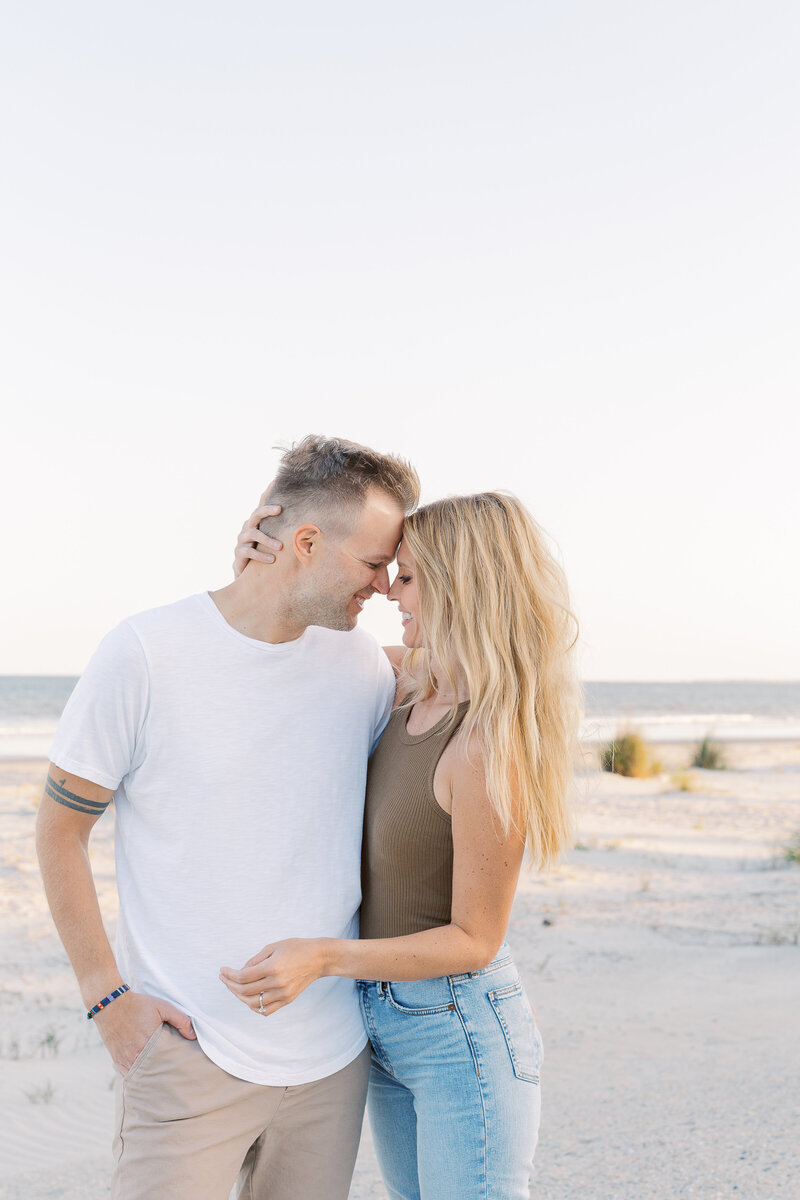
(56,791)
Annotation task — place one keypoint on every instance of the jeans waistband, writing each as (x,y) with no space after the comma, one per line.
(501,959)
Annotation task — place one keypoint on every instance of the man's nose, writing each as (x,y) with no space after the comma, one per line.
(381,582)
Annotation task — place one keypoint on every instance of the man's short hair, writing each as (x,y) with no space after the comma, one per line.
(332,476)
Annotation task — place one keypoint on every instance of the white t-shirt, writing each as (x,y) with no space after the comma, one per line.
(238,768)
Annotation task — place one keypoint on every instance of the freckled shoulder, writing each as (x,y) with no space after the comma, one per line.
(460,769)
(395,656)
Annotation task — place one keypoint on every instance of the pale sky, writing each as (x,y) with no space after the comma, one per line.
(548,247)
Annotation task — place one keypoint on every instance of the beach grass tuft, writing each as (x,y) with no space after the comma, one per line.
(43,1094)
(628,754)
(783,935)
(709,756)
(50,1043)
(791,852)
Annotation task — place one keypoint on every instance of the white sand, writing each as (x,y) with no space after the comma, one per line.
(666,983)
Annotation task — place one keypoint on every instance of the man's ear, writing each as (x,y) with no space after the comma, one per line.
(306,543)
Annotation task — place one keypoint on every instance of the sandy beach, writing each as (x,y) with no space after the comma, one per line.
(662,958)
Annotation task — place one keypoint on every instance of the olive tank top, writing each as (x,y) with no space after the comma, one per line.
(407,850)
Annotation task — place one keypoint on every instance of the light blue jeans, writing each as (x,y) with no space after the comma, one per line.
(454,1089)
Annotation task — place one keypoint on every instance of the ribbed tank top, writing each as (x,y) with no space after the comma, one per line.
(407,851)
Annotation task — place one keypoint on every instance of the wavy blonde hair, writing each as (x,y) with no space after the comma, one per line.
(494,607)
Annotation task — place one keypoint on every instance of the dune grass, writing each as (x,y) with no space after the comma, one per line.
(709,756)
(628,754)
(791,852)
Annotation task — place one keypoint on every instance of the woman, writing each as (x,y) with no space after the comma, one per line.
(473,766)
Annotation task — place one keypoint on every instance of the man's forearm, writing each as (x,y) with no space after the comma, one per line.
(69,810)
(71,894)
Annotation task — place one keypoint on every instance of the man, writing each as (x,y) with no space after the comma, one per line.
(233,734)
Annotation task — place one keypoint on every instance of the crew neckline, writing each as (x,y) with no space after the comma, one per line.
(411,738)
(256,643)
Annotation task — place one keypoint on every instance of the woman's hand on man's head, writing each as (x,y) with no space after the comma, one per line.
(252,543)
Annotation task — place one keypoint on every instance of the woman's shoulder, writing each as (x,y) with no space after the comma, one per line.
(464,758)
(395,656)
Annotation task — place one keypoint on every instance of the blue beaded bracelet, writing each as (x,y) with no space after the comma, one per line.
(120,991)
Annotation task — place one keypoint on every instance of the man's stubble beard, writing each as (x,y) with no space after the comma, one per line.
(322,608)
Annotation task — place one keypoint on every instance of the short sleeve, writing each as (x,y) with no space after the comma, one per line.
(100,736)
(385,697)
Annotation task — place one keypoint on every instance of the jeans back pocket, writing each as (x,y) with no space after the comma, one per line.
(519,1030)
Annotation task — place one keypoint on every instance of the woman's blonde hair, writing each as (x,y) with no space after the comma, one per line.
(494,607)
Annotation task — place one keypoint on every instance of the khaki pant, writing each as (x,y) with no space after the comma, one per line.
(187,1130)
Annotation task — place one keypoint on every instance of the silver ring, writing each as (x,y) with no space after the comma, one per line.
(261,1002)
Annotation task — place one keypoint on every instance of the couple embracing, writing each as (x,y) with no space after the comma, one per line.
(237,733)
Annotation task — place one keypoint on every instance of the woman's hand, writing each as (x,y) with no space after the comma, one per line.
(251,537)
(277,974)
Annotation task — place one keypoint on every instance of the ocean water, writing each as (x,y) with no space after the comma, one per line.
(742,710)
(30,706)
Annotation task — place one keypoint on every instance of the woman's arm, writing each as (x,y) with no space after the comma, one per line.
(486,868)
